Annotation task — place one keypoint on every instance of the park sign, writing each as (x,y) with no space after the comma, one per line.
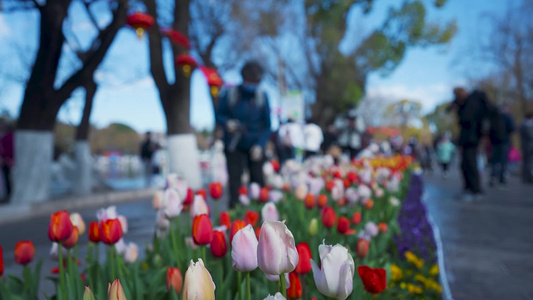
(293,106)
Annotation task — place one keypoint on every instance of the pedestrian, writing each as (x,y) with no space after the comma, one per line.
(313,138)
(244,113)
(445,151)
(291,139)
(471,110)
(7,158)
(147,151)
(501,128)
(526,139)
(330,138)
(351,136)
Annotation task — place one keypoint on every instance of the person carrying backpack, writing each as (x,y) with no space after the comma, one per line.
(244,114)
(501,128)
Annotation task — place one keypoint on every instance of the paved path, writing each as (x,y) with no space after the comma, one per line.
(488,244)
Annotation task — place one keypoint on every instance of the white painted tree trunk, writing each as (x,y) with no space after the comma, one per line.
(83,179)
(33,158)
(184,158)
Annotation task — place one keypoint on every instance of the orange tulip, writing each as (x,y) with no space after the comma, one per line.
(110,231)
(94,232)
(202,230)
(24,252)
(215,190)
(362,248)
(329,185)
(1,262)
(309,201)
(329,217)
(174,279)
(369,204)
(356,219)
(251,217)
(383,227)
(295,289)
(236,226)
(219,246)
(322,200)
(225,219)
(60,227)
(73,239)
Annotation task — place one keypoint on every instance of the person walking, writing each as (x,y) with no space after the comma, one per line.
(501,128)
(471,110)
(313,138)
(147,151)
(7,159)
(351,136)
(244,113)
(526,139)
(445,151)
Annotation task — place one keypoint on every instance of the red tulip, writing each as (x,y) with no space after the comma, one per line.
(215,190)
(225,219)
(343,225)
(304,262)
(1,262)
(60,227)
(309,201)
(219,246)
(251,217)
(24,253)
(295,288)
(337,175)
(329,185)
(322,200)
(110,231)
(202,192)
(263,195)
(383,227)
(362,248)
(174,279)
(94,232)
(236,226)
(257,232)
(374,280)
(189,198)
(275,165)
(243,190)
(329,217)
(202,230)
(352,176)
(356,218)
(73,239)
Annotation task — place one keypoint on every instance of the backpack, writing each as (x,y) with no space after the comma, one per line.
(234,96)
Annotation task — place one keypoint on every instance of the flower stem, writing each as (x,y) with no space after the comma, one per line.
(72,279)
(173,239)
(239,283)
(283,289)
(203,254)
(112,262)
(248,293)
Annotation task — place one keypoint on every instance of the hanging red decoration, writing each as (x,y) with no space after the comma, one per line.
(186,62)
(140,22)
(177,38)
(213,80)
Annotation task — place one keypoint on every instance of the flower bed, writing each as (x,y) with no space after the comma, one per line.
(338,239)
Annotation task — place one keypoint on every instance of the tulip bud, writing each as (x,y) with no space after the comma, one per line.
(88,295)
(110,231)
(362,248)
(304,258)
(94,232)
(132,253)
(309,201)
(123,223)
(115,291)
(225,219)
(1,262)
(269,212)
(174,279)
(301,192)
(374,280)
(219,247)
(276,251)
(60,227)
(73,239)
(244,250)
(313,227)
(263,195)
(215,190)
(244,200)
(189,198)
(198,283)
(356,218)
(343,225)
(335,277)
(329,217)
(24,252)
(369,204)
(322,200)
(295,288)
(383,227)
(77,221)
(235,227)
(277,296)
(251,217)
(202,230)
(243,190)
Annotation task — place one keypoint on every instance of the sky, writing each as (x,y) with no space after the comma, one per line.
(128,94)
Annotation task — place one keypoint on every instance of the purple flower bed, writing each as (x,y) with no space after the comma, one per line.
(416,232)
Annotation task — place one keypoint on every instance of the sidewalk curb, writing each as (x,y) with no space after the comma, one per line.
(16,212)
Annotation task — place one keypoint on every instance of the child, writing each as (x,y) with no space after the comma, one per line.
(445,150)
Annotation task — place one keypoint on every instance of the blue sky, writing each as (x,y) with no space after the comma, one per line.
(128,94)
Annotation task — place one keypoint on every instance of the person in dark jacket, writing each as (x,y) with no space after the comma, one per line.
(471,111)
(7,158)
(244,113)
(526,139)
(501,128)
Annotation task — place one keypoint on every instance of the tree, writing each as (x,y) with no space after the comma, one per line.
(403,113)
(46,91)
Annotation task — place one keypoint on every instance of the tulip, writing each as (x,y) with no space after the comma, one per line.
(158,201)
(337,192)
(235,227)
(257,232)
(364,191)
(269,212)
(24,252)
(329,185)
(244,200)
(277,296)
(199,207)
(215,190)
(301,192)
(161,220)
(263,195)
(356,218)
(255,190)
(174,279)
(94,232)
(77,221)
(276,252)
(189,198)
(322,200)
(362,248)
(225,219)
(1,262)
(275,196)
(173,203)
(313,227)
(243,190)
(343,225)
(309,201)
(123,223)
(189,242)
(73,239)
(374,280)
(177,183)
(60,227)
(54,255)
(219,247)
(105,214)
(369,204)
(295,288)
(88,295)
(251,217)
(383,227)
(202,230)
(335,277)
(329,217)
(244,250)
(351,195)
(352,176)
(371,229)
(304,258)
(198,283)
(132,253)
(110,231)
(201,192)
(115,291)
(268,169)
(275,165)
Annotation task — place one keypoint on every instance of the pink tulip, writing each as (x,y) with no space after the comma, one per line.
(132,253)
(199,207)
(244,250)
(269,212)
(244,200)
(173,203)
(275,196)
(123,223)
(351,195)
(108,213)
(276,251)
(254,190)
(198,282)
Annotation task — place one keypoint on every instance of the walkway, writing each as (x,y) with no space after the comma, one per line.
(488,244)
